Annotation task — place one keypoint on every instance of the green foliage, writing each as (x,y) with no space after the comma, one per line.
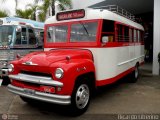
(33,8)
(24,13)
(50,4)
(43,10)
(3,13)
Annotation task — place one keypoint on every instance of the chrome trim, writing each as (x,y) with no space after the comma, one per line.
(36,79)
(131,60)
(6,59)
(57,99)
(62,71)
(4,70)
(29,63)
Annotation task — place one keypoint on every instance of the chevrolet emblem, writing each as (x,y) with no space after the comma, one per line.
(29,63)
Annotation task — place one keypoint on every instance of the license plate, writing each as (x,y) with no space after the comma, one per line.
(29,91)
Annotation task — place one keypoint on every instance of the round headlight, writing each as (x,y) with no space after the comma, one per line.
(59,73)
(10,67)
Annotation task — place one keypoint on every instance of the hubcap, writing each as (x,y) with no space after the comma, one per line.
(82,96)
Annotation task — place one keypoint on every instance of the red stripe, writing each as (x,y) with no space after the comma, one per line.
(114,79)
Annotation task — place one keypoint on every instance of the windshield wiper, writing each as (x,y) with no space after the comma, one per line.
(84,28)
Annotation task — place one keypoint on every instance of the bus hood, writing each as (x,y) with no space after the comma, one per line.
(48,57)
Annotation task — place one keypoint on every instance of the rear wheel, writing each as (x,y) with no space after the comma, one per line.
(135,74)
(80,98)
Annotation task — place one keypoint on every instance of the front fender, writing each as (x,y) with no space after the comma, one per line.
(73,69)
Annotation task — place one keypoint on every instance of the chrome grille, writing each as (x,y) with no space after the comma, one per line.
(36,73)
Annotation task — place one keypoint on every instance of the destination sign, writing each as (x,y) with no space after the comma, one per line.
(75,14)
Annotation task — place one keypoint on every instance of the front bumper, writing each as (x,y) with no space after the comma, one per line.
(46,97)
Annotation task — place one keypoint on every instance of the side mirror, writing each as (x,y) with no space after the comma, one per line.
(9,39)
(105,39)
(18,29)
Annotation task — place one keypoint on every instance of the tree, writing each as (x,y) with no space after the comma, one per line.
(62,5)
(3,13)
(43,10)
(24,13)
(51,4)
(33,7)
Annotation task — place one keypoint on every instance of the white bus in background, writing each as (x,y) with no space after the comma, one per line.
(18,37)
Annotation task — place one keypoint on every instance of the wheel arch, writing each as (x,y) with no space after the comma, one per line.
(89,78)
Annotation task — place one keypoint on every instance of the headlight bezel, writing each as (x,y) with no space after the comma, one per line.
(10,68)
(59,73)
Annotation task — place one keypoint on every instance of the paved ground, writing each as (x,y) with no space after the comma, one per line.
(142,97)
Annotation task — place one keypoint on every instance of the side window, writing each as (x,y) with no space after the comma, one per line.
(126,34)
(32,38)
(120,33)
(108,26)
(130,35)
(138,35)
(135,35)
(108,30)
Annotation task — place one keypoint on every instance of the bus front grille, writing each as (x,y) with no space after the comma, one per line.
(36,73)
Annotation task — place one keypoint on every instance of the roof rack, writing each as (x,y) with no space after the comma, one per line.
(118,10)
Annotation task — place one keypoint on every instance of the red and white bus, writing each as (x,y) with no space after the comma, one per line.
(84,49)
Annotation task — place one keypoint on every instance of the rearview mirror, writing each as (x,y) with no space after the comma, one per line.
(18,29)
(105,39)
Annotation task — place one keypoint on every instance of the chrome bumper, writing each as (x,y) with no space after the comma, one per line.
(36,79)
(57,99)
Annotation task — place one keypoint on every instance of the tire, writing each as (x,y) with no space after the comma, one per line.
(6,81)
(27,100)
(135,74)
(80,98)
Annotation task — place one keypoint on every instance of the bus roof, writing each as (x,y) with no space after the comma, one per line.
(34,24)
(91,14)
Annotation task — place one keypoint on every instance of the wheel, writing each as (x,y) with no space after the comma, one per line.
(135,74)
(6,81)
(80,98)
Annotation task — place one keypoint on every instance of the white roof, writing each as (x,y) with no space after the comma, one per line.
(91,14)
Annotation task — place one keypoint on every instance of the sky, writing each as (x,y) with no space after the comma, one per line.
(9,5)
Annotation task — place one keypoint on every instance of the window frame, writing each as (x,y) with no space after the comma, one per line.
(68,43)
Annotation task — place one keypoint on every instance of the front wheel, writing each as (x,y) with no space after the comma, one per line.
(80,98)
(27,100)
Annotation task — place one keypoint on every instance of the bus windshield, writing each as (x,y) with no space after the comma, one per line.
(6,34)
(79,32)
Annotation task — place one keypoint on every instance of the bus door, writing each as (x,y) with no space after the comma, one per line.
(21,38)
(25,38)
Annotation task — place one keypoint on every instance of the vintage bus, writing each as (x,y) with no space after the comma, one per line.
(18,37)
(83,49)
